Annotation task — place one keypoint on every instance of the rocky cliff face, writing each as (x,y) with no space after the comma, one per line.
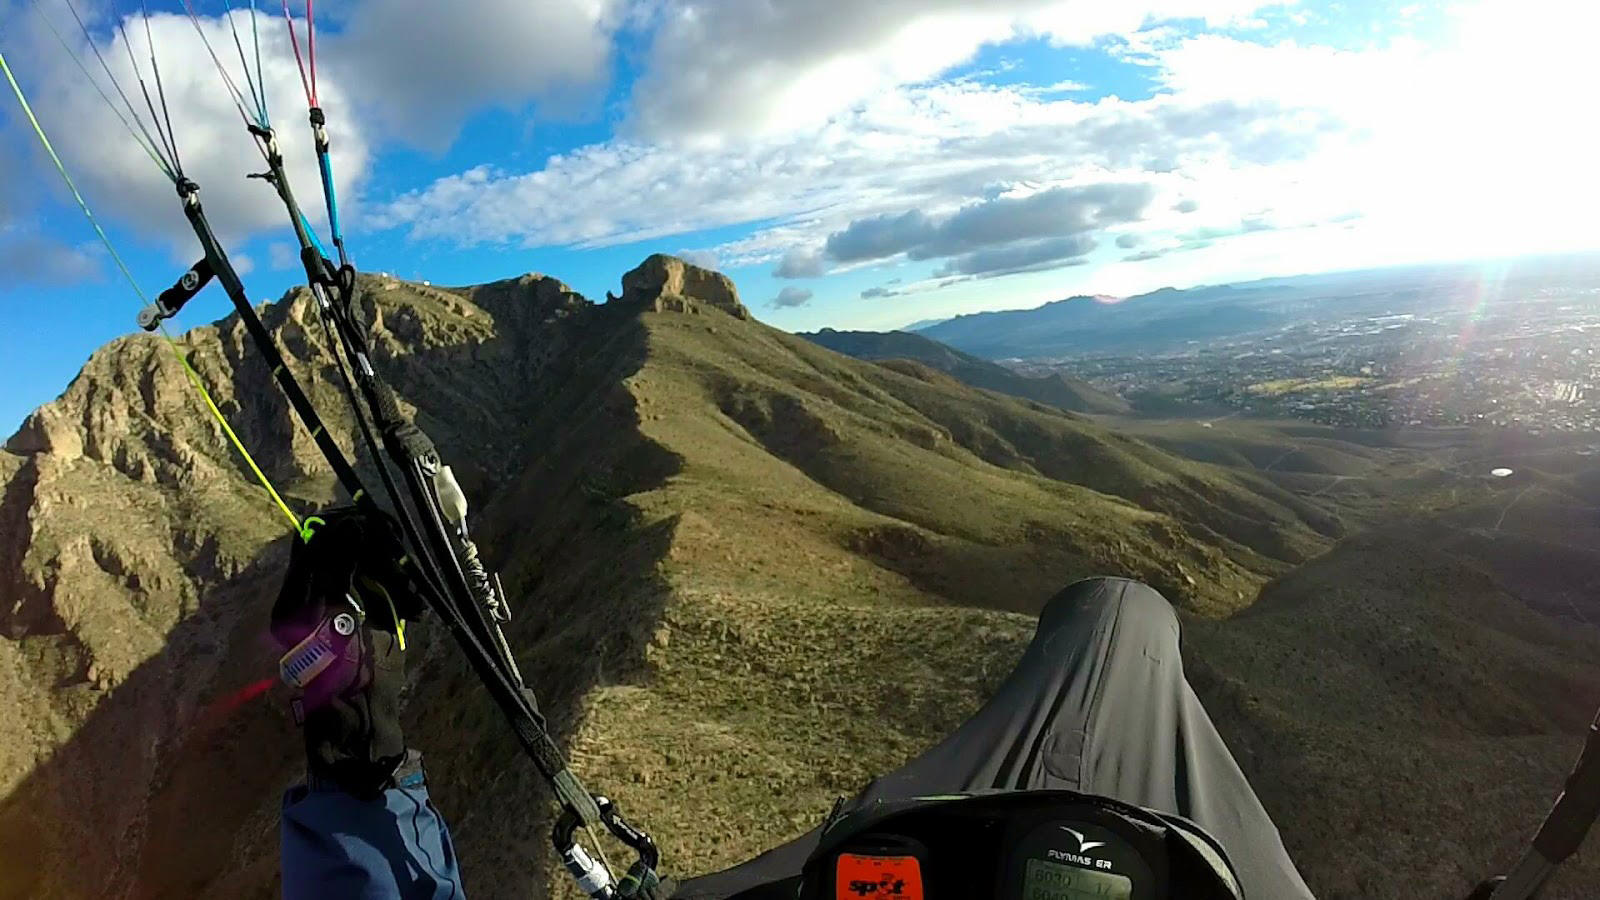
(136,553)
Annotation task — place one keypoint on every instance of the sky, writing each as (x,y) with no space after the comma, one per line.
(850,165)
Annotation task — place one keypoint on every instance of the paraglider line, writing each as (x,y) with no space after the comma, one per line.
(238,97)
(161,91)
(305,83)
(194,377)
(142,135)
(155,120)
(311,50)
(244,66)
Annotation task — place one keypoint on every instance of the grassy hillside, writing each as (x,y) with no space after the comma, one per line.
(1414,703)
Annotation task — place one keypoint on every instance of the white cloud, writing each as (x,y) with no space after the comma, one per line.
(122,183)
(800,263)
(420,67)
(1010,233)
(29,258)
(1466,145)
(1060,87)
(281,256)
(705,259)
(1021,256)
(717,68)
(807,117)
(408,71)
(930,148)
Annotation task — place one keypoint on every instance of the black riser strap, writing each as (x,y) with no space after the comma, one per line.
(269,352)
(1575,811)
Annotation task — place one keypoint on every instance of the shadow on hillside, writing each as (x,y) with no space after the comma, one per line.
(1402,705)
(165,791)
(71,828)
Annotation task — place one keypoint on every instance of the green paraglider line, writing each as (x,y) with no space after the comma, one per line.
(177,350)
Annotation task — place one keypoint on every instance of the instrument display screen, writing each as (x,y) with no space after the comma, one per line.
(1045,880)
(863,876)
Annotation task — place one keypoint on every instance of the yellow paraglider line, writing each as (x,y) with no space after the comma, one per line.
(177,349)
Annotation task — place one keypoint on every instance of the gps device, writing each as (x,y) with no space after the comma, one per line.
(1078,856)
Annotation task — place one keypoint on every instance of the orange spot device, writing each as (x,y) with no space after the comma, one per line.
(866,877)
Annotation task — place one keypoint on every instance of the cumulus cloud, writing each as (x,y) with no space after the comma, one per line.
(721,67)
(705,259)
(1067,210)
(882,236)
(800,263)
(792,296)
(1000,235)
(120,181)
(879,292)
(1129,240)
(1025,256)
(474,53)
(1239,126)
(928,148)
(420,67)
(282,256)
(1144,255)
(1245,225)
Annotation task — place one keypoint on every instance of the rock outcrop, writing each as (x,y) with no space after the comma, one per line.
(669,284)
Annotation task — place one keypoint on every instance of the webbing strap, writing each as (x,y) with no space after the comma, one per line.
(267,348)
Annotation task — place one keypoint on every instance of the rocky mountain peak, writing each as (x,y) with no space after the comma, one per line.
(667,283)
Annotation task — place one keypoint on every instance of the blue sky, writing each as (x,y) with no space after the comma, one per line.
(850,165)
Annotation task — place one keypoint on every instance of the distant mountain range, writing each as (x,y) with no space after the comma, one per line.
(1169,319)
(1163,320)
(1060,391)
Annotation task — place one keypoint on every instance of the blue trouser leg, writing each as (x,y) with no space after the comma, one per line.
(395,847)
